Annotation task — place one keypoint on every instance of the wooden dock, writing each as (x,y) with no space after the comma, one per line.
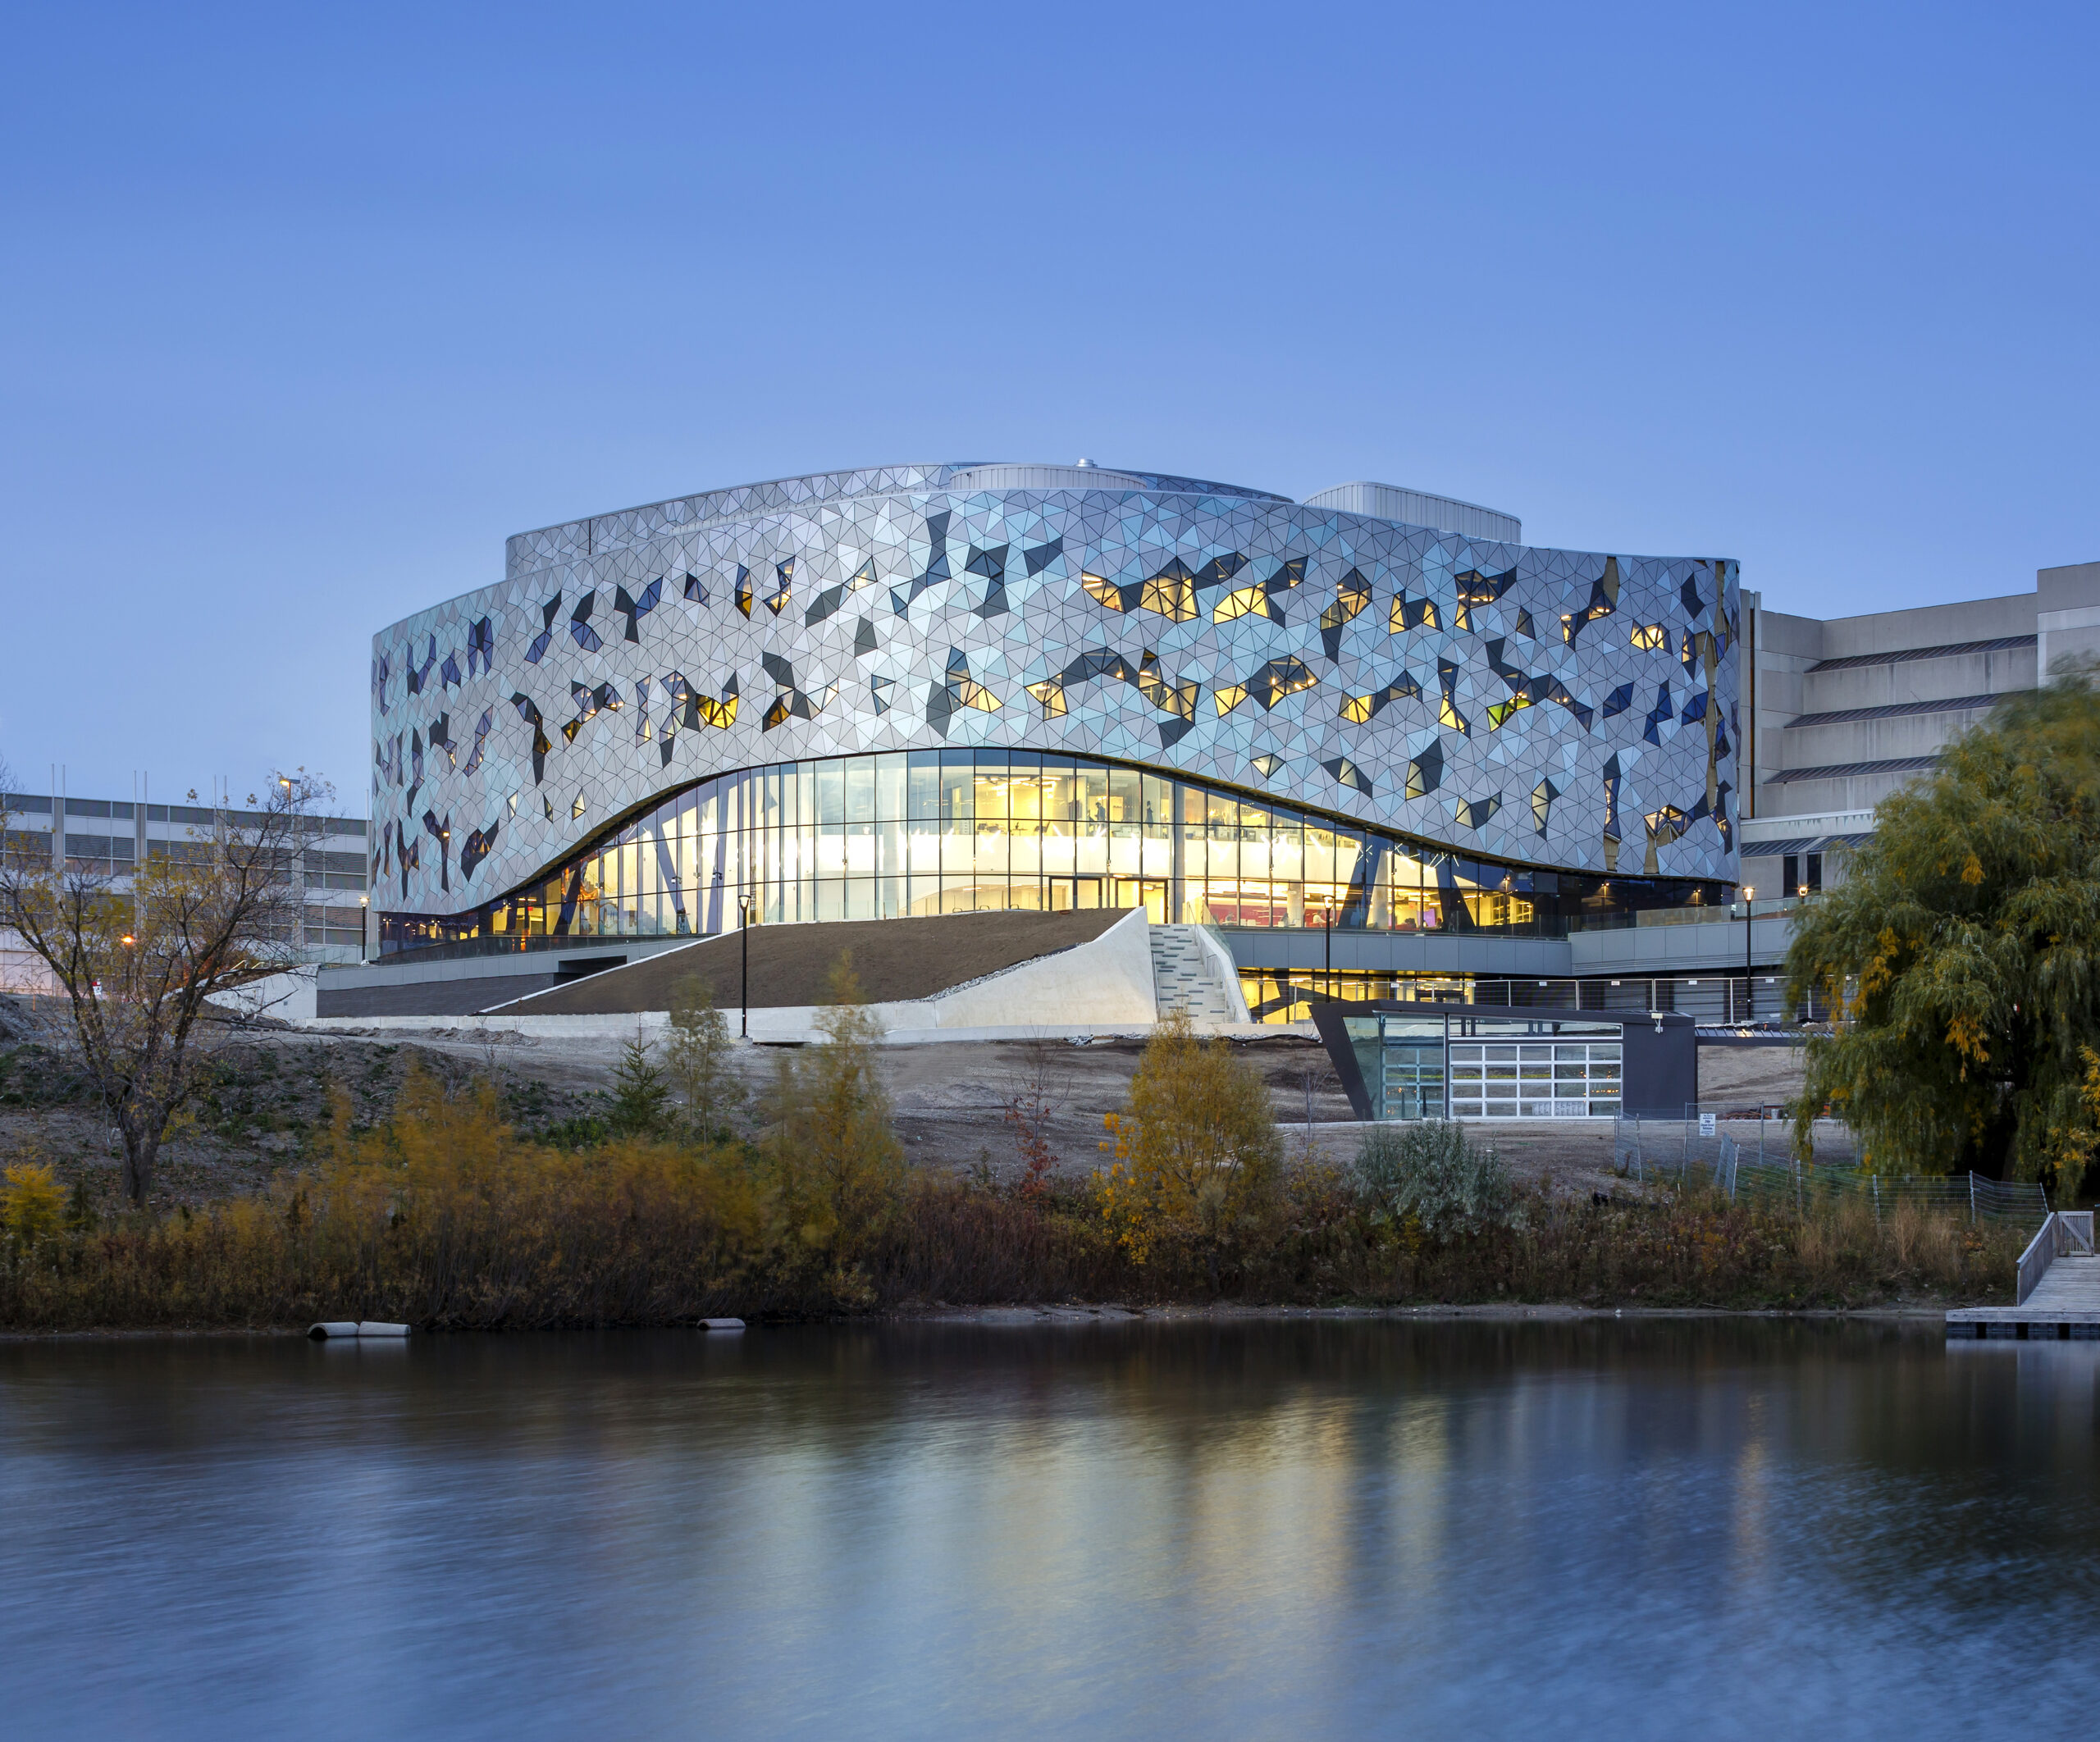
(2059,1292)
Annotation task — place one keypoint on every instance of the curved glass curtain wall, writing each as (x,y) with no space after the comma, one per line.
(957,831)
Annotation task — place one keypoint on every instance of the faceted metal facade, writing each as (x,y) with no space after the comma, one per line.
(1547,707)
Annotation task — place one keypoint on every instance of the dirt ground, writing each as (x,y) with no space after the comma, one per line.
(267,1092)
(1746,1077)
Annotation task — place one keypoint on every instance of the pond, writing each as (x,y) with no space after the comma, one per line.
(1236,1529)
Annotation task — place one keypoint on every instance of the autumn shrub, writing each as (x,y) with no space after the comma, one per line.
(1195,1154)
(443,1217)
(1430,1173)
(30,1201)
(950,1242)
(834,1170)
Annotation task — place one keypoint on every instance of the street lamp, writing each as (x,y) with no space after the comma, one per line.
(1327,943)
(1749,995)
(744,992)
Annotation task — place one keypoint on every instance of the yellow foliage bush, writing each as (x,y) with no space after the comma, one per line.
(444,1212)
(834,1167)
(444,1217)
(1195,1154)
(30,1202)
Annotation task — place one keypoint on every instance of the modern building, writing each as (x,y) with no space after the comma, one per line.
(1380,744)
(112,837)
(1842,713)
(1401,1060)
(1370,744)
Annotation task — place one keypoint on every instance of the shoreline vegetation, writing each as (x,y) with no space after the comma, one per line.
(670,1211)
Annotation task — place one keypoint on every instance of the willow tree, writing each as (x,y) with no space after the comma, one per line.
(1962,954)
(135,966)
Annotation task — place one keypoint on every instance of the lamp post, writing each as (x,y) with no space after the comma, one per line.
(744,992)
(1749,996)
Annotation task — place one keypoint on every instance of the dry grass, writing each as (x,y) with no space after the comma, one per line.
(444,1217)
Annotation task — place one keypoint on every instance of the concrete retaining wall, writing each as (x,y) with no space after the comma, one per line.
(1096,990)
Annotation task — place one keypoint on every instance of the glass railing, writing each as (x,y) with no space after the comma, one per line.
(1707,913)
(467,949)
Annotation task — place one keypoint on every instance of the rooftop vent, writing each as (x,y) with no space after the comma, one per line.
(1446,514)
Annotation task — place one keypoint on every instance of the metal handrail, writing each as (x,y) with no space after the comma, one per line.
(2035,1261)
(2065,1234)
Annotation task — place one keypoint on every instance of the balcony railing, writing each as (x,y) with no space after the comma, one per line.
(1709,913)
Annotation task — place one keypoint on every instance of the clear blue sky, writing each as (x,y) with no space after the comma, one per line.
(306,308)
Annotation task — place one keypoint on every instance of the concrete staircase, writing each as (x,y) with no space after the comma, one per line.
(1184,978)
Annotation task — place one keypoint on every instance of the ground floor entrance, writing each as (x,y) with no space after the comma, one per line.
(1402,1061)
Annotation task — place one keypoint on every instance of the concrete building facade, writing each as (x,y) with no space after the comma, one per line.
(1841,712)
(110,837)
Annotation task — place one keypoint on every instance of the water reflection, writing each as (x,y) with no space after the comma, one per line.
(1629,1528)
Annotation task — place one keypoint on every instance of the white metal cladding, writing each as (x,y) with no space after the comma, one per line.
(1418,509)
(1562,709)
(1043,477)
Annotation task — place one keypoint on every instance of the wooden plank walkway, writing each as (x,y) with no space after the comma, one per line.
(2059,1295)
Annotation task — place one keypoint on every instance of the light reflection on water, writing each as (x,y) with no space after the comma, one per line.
(1611,1528)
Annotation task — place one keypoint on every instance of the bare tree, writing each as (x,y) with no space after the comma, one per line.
(1039,1084)
(1310,1078)
(697,1051)
(135,967)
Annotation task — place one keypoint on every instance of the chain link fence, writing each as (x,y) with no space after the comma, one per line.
(1747,1152)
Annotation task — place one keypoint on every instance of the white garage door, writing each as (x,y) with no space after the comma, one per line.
(1541,1079)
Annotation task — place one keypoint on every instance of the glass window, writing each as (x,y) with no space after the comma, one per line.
(1126,795)
(1024,834)
(1028,829)
(1059,850)
(957,785)
(988,798)
(1024,788)
(1158,796)
(860,790)
(1092,831)
(831,791)
(1090,795)
(889,848)
(889,778)
(923,843)
(924,779)
(831,850)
